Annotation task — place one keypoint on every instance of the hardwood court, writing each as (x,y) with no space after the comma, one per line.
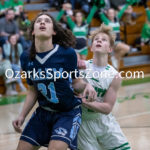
(132,110)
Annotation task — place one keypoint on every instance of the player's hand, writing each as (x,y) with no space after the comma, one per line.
(66,6)
(89,93)
(84,101)
(81,64)
(18,123)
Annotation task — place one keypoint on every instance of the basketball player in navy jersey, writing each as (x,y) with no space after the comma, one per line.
(56,121)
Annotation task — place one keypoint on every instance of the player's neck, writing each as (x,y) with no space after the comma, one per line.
(43,45)
(100,60)
(79,24)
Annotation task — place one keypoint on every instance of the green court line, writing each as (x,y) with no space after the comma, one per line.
(145,95)
(135,81)
(12,99)
(21,98)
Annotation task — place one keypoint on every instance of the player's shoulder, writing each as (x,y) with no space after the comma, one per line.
(111,68)
(88,63)
(112,71)
(24,59)
(25,55)
(68,52)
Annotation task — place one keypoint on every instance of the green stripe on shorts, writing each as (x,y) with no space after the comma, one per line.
(126,148)
(121,146)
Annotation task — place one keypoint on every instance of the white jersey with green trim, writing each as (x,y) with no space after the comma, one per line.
(100,78)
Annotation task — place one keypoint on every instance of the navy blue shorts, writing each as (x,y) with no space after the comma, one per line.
(46,125)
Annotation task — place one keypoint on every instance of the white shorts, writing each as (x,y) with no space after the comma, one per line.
(103,133)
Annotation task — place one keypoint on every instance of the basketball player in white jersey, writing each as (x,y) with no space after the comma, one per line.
(99,129)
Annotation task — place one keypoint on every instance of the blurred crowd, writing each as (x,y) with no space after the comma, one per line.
(14,40)
(77,16)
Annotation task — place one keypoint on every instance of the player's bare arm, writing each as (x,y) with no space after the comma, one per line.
(30,101)
(109,98)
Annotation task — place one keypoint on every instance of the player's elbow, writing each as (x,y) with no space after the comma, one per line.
(108,110)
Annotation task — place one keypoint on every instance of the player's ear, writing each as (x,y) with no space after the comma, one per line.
(91,49)
(110,49)
(33,33)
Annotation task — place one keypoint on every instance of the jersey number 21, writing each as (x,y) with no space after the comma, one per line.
(42,87)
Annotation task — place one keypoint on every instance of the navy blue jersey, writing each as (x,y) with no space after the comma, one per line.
(42,72)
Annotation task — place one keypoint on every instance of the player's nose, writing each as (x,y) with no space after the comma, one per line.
(42,22)
(99,40)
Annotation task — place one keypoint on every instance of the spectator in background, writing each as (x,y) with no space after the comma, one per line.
(79,28)
(24,23)
(8,26)
(144,39)
(4,5)
(4,66)
(145,34)
(112,19)
(61,17)
(16,5)
(12,52)
(128,17)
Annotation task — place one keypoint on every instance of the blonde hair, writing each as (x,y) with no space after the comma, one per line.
(104,29)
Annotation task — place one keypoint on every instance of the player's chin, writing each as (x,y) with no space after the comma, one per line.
(98,50)
(43,35)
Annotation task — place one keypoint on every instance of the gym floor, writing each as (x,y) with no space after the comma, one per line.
(132,110)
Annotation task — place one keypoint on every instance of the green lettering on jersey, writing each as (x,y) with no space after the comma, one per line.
(100,92)
(107,68)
